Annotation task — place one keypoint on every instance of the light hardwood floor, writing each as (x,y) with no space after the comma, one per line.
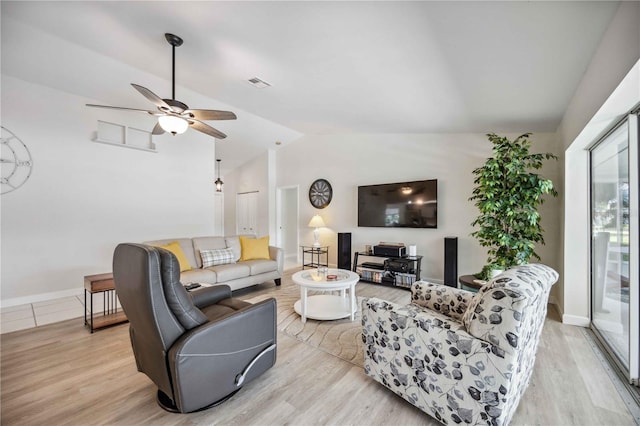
(60,374)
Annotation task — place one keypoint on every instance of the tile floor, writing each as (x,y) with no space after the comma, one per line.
(30,315)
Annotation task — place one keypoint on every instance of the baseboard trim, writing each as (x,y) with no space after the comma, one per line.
(576,320)
(42,297)
(432,280)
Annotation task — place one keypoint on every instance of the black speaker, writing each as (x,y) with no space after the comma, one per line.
(451,261)
(344,250)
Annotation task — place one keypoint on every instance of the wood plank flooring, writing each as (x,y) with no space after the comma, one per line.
(60,374)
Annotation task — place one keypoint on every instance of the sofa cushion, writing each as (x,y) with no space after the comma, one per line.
(174,247)
(254,248)
(198,276)
(260,266)
(206,243)
(230,272)
(217,257)
(233,243)
(185,244)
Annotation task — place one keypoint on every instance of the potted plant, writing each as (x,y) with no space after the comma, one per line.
(508,194)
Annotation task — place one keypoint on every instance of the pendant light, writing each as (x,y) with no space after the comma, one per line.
(218,181)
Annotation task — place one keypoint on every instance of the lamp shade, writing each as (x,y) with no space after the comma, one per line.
(172,124)
(316,222)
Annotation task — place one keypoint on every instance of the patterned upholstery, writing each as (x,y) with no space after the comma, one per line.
(460,357)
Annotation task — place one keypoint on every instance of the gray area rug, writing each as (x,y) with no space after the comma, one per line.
(341,338)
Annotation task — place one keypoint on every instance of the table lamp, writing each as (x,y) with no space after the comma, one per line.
(316,222)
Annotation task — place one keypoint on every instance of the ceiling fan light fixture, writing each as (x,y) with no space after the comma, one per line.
(172,124)
(174,116)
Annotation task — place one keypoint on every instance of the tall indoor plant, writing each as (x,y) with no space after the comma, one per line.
(508,194)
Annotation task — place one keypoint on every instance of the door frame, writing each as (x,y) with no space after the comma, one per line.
(632,371)
(295,189)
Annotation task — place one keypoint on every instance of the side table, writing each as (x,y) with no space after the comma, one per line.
(102,283)
(468,283)
(316,254)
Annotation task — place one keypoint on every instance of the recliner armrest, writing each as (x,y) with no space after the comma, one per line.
(449,301)
(206,296)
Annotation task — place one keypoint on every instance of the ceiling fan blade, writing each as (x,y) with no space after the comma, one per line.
(157,130)
(210,114)
(206,129)
(157,101)
(123,108)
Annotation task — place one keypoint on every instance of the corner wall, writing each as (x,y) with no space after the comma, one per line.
(600,100)
(251,176)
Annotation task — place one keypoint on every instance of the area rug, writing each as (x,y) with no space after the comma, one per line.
(340,338)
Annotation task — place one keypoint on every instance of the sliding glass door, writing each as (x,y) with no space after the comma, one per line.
(614,255)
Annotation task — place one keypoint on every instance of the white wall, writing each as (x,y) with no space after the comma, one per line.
(252,176)
(599,101)
(348,161)
(291,204)
(83,198)
(617,53)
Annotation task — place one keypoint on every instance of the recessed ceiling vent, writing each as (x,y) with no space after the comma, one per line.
(257,83)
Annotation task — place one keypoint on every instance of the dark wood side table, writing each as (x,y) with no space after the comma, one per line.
(467,283)
(102,283)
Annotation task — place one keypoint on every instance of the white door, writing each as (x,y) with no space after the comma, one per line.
(247,213)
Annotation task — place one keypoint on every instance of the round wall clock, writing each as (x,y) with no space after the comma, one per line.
(16,161)
(320,193)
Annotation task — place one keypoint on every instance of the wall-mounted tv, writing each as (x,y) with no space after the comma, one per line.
(399,205)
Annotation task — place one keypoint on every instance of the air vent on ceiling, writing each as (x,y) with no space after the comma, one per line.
(260,84)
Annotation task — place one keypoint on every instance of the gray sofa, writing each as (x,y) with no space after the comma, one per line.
(236,275)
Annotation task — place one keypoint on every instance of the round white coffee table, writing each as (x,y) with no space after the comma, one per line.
(326,306)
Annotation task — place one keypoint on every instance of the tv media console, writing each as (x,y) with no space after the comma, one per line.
(394,271)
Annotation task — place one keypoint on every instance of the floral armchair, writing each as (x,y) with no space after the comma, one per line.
(458,356)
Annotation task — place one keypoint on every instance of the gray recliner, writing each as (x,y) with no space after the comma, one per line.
(199,348)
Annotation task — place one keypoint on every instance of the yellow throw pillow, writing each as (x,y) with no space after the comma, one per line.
(174,247)
(254,248)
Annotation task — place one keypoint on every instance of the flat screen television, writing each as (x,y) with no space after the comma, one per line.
(399,205)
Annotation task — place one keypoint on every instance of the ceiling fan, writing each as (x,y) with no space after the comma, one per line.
(174,116)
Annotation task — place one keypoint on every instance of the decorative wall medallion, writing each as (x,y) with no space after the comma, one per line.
(15,160)
(320,193)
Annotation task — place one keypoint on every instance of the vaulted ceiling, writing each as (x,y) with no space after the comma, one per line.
(349,67)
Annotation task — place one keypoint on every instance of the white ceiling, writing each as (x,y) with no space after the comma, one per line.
(351,67)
